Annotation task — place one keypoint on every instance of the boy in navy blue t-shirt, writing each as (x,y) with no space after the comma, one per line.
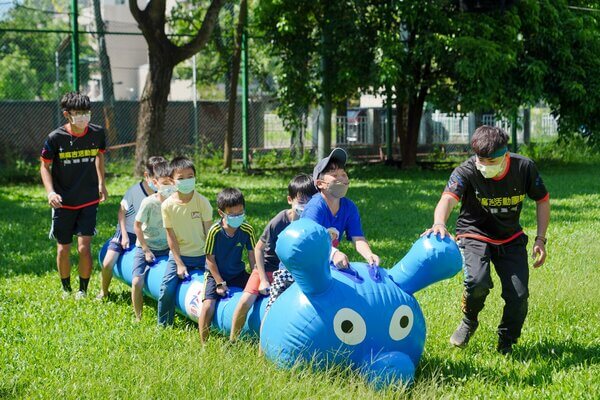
(332,210)
(225,243)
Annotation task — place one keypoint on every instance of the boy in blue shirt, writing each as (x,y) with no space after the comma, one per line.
(225,243)
(332,210)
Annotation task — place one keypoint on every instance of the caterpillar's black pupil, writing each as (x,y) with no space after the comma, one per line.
(404,322)
(347,326)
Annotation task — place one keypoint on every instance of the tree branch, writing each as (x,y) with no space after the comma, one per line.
(210,19)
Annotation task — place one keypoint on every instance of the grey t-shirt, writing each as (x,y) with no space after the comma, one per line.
(269,238)
(150,216)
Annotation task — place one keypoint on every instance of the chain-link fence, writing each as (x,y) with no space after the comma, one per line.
(36,70)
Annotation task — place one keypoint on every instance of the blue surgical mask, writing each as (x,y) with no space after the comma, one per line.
(235,221)
(186,186)
(152,186)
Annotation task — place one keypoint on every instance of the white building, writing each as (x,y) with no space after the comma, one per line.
(128,53)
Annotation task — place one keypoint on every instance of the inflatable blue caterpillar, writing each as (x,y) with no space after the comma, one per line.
(365,317)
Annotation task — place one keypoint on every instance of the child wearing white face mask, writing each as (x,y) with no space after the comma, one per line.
(492,186)
(187,216)
(72,171)
(125,237)
(151,235)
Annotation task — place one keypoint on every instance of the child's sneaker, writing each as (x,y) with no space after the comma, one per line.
(80,295)
(505,346)
(65,294)
(462,334)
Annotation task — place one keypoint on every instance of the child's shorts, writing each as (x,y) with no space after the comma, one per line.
(282,279)
(140,266)
(254,282)
(210,285)
(67,222)
(115,241)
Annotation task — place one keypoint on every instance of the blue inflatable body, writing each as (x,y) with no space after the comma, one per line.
(366,317)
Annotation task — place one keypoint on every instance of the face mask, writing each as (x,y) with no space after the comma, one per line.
(489,171)
(235,221)
(167,190)
(299,209)
(152,186)
(186,186)
(81,120)
(337,189)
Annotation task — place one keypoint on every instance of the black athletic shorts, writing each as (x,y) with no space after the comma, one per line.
(66,223)
(210,286)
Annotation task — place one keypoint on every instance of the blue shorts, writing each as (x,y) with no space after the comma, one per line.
(115,242)
(140,266)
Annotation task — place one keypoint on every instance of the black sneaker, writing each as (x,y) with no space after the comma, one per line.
(505,346)
(462,334)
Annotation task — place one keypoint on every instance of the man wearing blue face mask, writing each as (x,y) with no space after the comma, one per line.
(187,216)
(225,244)
(492,186)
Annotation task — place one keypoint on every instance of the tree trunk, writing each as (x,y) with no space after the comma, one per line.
(153,106)
(108,94)
(235,73)
(415,112)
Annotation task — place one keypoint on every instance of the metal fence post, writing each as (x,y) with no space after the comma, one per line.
(245,86)
(75,45)
(388,128)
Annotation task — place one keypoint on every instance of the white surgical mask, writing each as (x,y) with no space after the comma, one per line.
(166,190)
(490,171)
(81,120)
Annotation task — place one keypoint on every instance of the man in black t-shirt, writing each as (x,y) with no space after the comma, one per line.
(73,175)
(492,186)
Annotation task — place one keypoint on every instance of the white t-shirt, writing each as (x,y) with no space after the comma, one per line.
(131,203)
(150,216)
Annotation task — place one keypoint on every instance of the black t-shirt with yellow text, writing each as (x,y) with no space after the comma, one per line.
(74,174)
(491,208)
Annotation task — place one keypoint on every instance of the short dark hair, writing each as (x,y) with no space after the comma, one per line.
(181,162)
(487,139)
(151,164)
(161,169)
(330,167)
(75,101)
(301,186)
(230,197)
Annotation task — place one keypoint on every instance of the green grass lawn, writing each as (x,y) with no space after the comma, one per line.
(54,348)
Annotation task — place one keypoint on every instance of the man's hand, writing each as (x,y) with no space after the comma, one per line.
(182,271)
(539,253)
(373,260)
(340,260)
(149,256)
(102,192)
(264,287)
(222,290)
(55,200)
(438,229)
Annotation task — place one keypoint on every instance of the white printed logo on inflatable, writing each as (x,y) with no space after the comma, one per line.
(193,299)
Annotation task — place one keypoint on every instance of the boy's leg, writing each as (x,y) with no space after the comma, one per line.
(108,263)
(205,318)
(62,229)
(166,297)
(85,229)
(240,314)
(137,283)
(513,270)
(478,283)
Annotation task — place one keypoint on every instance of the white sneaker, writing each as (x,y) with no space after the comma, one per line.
(65,295)
(80,295)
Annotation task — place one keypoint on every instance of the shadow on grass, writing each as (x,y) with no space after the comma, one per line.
(542,360)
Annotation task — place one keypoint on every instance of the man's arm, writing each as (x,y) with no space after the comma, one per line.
(100,171)
(174,247)
(543,219)
(54,199)
(440,216)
